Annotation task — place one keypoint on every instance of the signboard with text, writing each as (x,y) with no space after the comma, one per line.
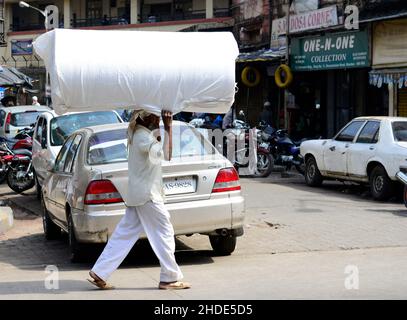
(316,19)
(21,47)
(332,51)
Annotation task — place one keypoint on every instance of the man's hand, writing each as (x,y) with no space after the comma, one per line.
(167,118)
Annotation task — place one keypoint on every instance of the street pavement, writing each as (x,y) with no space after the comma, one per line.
(332,242)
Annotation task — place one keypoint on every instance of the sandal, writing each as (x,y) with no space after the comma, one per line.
(177,285)
(96,281)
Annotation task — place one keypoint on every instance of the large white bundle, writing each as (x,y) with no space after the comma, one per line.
(101,70)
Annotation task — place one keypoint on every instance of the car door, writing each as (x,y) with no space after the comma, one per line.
(336,150)
(65,175)
(363,149)
(45,155)
(56,185)
(37,159)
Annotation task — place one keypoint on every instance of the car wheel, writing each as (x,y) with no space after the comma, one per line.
(51,230)
(223,245)
(381,187)
(75,248)
(313,176)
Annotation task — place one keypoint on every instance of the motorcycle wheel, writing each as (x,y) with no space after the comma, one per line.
(300,168)
(265,164)
(16,185)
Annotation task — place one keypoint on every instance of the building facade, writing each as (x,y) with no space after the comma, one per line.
(332,56)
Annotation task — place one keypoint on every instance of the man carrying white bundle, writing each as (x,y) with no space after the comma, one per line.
(145,204)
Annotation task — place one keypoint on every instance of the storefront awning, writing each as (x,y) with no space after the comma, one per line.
(260,55)
(10,77)
(395,77)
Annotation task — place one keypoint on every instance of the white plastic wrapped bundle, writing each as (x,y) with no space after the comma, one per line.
(102,70)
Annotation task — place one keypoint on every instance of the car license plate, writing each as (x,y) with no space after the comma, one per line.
(179,185)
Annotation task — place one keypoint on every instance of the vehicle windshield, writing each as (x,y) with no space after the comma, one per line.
(64,126)
(22,119)
(400,131)
(111,146)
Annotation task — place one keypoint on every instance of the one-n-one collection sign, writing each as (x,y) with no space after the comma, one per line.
(332,51)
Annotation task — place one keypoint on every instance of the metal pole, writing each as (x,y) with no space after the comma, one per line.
(287,58)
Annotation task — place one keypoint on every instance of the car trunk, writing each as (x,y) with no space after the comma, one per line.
(185,179)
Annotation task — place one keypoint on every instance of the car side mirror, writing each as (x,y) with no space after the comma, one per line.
(50,165)
(43,142)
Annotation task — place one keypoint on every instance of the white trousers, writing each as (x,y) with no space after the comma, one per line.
(152,218)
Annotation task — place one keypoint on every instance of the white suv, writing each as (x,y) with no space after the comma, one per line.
(51,131)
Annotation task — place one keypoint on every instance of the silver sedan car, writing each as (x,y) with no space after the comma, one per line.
(83,194)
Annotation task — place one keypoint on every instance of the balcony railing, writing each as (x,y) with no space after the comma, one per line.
(89,22)
(187,15)
(145,18)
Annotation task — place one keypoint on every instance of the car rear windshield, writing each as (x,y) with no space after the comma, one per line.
(64,126)
(22,119)
(111,146)
(400,130)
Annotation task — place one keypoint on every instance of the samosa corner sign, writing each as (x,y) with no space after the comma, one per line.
(332,51)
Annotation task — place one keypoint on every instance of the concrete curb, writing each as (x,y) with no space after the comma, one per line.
(6,219)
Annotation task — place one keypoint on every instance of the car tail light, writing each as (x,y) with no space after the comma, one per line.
(226,180)
(102,192)
(8,121)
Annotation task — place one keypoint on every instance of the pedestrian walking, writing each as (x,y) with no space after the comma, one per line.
(145,204)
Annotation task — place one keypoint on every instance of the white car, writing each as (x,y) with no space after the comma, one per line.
(367,150)
(51,131)
(13,119)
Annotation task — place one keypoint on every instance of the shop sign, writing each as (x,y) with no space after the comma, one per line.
(316,19)
(332,51)
(21,47)
(321,18)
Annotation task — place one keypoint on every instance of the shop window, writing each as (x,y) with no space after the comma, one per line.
(94,9)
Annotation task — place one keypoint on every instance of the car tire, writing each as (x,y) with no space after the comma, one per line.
(75,248)
(381,186)
(223,245)
(405,196)
(313,177)
(51,230)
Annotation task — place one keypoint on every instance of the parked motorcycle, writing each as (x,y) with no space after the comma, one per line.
(22,140)
(239,130)
(279,145)
(16,167)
